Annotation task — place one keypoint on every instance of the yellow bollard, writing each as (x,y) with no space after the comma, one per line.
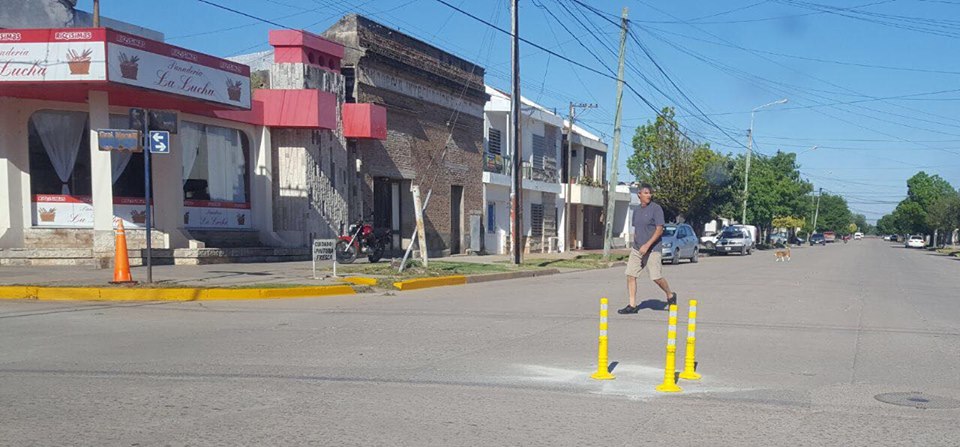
(690,362)
(602,372)
(669,384)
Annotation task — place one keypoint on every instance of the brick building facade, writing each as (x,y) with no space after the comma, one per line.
(434,103)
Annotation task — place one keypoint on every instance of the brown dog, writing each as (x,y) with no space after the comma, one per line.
(783,255)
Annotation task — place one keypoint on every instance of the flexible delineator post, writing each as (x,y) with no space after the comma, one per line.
(690,362)
(669,384)
(603,372)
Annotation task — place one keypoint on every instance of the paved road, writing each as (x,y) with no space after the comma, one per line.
(791,353)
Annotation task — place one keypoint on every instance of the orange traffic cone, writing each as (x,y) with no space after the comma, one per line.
(121,263)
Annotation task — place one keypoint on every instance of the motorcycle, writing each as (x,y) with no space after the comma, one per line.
(362,238)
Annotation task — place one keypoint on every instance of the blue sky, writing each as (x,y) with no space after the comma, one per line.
(873,84)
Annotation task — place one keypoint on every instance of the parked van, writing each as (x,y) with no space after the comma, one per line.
(737,239)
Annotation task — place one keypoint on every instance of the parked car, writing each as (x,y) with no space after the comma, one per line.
(857,236)
(679,242)
(778,238)
(709,240)
(817,239)
(894,238)
(736,239)
(915,241)
(829,236)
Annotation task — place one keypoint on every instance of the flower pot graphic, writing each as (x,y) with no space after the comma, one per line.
(129,65)
(79,67)
(48,214)
(138,217)
(79,62)
(241,219)
(234,90)
(186,218)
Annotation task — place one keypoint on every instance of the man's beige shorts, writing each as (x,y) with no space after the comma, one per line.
(649,263)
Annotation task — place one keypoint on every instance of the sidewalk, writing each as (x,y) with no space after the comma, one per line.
(271,274)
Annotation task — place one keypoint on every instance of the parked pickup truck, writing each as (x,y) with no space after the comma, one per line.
(829,236)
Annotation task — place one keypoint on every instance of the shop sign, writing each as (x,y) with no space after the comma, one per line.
(212,214)
(69,56)
(152,65)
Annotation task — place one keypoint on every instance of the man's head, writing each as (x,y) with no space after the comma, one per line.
(645,193)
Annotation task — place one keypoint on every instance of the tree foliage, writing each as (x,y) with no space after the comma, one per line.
(690,180)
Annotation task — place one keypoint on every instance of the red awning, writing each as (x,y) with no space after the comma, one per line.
(364,121)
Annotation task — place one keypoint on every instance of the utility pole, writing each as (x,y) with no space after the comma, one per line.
(516,196)
(567,237)
(96,13)
(610,204)
(746,175)
(816,213)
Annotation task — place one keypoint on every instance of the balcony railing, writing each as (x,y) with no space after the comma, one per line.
(548,173)
(496,164)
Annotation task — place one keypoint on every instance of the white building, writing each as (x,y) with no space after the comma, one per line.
(544,181)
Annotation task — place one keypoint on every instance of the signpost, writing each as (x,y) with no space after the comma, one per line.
(159,142)
(324,250)
(123,140)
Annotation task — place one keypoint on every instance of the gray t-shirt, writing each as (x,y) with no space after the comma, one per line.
(645,222)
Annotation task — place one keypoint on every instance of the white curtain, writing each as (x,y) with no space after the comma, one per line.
(225,165)
(118,159)
(190,134)
(61,133)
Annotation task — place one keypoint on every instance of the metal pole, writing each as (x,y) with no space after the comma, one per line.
(147,195)
(746,175)
(517,196)
(566,197)
(816,213)
(612,184)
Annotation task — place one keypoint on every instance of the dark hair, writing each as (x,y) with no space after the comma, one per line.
(644,186)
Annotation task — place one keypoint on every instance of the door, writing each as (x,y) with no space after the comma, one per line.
(456,217)
(386,207)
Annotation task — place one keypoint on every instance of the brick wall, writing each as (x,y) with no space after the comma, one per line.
(434,101)
(313,170)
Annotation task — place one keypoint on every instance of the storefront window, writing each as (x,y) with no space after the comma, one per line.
(215,176)
(58,165)
(59,152)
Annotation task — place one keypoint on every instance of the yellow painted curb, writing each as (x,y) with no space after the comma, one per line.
(163,294)
(361,281)
(423,283)
(18,292)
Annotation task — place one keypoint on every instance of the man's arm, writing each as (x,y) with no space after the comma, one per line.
(656,235)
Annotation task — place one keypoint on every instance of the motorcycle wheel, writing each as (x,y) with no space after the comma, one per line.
(346,253)
(376,252)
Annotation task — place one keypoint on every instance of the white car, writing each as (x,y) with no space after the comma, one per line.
(915,242)
(857,236)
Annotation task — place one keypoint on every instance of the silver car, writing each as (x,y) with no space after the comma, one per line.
(679,242)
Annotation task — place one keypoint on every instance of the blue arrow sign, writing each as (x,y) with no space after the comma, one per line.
(159,142)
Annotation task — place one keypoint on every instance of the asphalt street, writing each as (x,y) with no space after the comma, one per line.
(791,353)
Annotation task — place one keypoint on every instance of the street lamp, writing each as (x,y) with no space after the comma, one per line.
(808,150)
(746,176)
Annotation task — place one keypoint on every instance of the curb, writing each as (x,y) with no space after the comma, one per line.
(510,275)
(360,280)
(424,283)
(184,294)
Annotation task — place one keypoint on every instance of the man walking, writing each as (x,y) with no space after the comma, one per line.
(645,256)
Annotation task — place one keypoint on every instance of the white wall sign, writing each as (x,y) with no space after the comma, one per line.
(68,56)
(147,69)
(203,214)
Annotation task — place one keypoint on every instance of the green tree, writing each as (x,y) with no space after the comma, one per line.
(943,215)
(776,188)
(834,214)
(691,181)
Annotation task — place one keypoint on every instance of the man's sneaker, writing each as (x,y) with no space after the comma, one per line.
(672,301)
(628,310)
